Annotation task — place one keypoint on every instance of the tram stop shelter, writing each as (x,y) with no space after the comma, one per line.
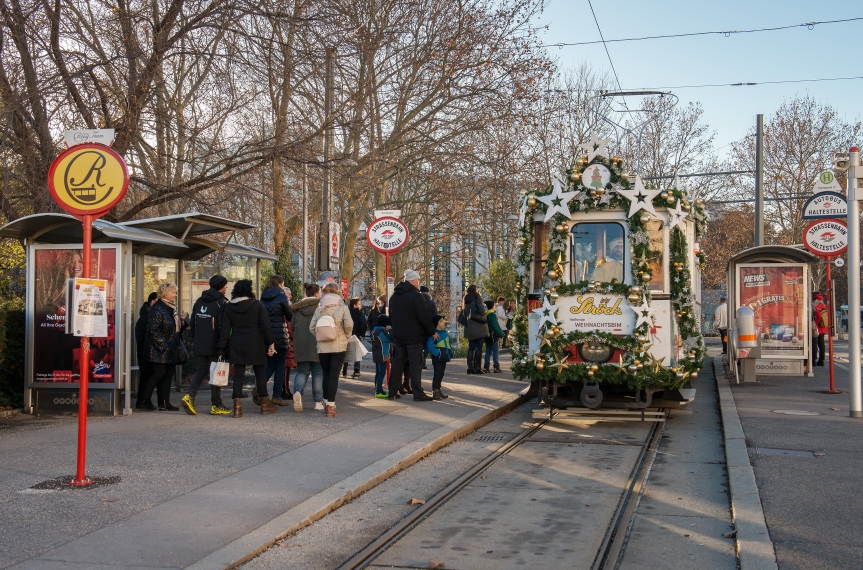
(773,281)
(134,257)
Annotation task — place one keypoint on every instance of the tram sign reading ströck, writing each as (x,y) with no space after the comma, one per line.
(88,179)
(387,235)
(825,205)
(826,238)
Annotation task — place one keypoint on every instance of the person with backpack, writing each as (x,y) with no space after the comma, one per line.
(205,340)
(382,340)
(306,348)
(331,325)
(359,331)
(820,325)
(246,338)
(472,318)
(491,341)
(441,353)
(278,308)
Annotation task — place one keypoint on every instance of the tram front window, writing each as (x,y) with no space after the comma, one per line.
(598,252)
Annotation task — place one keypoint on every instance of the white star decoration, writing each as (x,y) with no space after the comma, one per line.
(592,152)
(522,211)
(557,201)
(639,198)
(546,312)
(676,216)
(640,311)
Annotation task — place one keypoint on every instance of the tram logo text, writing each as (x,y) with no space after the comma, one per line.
(586,306)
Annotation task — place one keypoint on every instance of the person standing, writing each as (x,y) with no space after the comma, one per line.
(411,328)
(358,330)
(382,340)
(164,335)
(720,322)
(441,353)
(145,367)
(821,324)
(206,315)
(246,337)
(475,324)
(376,312)
(332,344)
(278,307)
(500,313)
(306,349)
(491,341)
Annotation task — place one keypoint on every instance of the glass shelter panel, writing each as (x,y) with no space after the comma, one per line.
(598,252)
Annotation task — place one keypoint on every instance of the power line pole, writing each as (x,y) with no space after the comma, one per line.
(856,410)
(305,273)
(759,180)
(323,240)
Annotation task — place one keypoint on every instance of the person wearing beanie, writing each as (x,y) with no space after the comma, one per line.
(441,352)
(820,327)
(326,277)
(382,340)
(412,326)
(206,315)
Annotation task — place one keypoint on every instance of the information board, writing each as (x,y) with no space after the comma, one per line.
(776,294)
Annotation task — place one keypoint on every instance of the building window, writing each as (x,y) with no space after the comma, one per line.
(656,233)
(598,252)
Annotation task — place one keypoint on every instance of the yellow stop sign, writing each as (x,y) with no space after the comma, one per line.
(88,179)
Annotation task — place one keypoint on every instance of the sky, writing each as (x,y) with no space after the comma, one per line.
(826,51)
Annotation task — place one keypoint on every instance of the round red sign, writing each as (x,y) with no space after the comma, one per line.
(826,237)
(387,235)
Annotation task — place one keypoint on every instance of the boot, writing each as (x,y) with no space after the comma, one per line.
(256,399)
(486,369)
(268,407)
(478,361)
(238,408)
(470,369)
(406,386)
(281,402)
(497,370)
(438,395)
(166,406)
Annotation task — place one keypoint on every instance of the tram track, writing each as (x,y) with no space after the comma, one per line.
(611,550)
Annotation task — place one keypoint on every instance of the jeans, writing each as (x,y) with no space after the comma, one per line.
(276,363)
(162,376)
(303,371)
(203,371)
(240,374)
(380,376)
(723,334)
(439,369)
(331,362)
(407,354)
(492,349)
(475,344)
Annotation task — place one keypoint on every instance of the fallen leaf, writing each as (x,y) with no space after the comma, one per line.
(819,454)
(686,535)
(416,502)
(483,477)
(835,409)
(731,534)
(436,564)
(108,499)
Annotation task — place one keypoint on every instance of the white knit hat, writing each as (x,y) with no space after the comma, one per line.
(411,275)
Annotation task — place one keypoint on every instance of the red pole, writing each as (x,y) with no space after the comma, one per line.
(387,310)
(84,370)
(832,389)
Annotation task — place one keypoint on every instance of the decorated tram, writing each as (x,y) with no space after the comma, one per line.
(609,288)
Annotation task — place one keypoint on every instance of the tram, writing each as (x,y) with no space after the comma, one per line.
(609,288)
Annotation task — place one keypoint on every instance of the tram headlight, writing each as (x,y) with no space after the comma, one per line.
(594,352)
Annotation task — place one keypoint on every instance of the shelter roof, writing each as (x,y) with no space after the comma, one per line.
(191,224)
(774,254)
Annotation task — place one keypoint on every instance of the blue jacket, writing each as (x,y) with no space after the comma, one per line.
(381,342)
(442,344)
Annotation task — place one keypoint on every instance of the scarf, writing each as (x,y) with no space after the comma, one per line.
(173,307)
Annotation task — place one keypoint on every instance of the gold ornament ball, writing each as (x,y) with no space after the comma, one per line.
(517,286)
(589,372)
(644,218)
(591,287)
(575,176)
(552,274)
(642,338)
(532,201)
(624,175)
(554,295)
(633,368)
(639,366)
(616,159)
(679,269)
(669,200)
(685,207)
(663,195)
(594,367)
(636,362)
(635,289)
(540,365)
(600,191)
(633,297)
(693,374)
(646,277)
(560,228)
(675,369)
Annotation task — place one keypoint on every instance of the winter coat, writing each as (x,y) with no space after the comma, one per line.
(473,305)
(360,324)
(372,321)
(245,332)
(305,345)
(502,318)
(205,321)
(493,326)
(141,334)
(817,309)
(279,311)
(382,341)
(410,316)
(162,336)
(432,307)
(720,317)
(442,344)
(289,361)
(334,306)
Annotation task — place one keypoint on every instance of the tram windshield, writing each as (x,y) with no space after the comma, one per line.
(598,252)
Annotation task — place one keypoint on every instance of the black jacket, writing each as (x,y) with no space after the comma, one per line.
(279,310)
(360,323)
(305,345)
(206,317)
(141,333)
(162,336)
(432,307)
(245,332)
(372,321)
(410,315)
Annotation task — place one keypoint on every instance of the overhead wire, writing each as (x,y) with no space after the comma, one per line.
(726,33)
(750,83)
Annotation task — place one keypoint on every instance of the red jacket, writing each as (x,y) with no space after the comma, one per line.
(817,310)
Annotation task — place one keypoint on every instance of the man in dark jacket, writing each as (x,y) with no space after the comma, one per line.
(412,327)
(359,331)
(278,308)
(145,367)
(206,315)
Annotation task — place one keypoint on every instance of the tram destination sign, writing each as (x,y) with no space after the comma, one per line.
(825,205)
(387,235)
(826,238)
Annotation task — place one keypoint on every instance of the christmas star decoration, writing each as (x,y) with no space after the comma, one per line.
(621,367)
(605,198)
(557,201)
(595,147)
(522,212)
(545,340)
(640,311)
(559,265)
(521,270)
(690,343)
(657,364)
(537,357)
(676,216)
(639,198)
(546,312)
(560,365)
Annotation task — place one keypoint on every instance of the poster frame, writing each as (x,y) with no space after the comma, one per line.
(122,339)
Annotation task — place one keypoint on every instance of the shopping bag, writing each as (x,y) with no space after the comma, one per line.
(356,350)
(219,372)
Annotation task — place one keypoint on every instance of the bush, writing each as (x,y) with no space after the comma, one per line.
(12,358)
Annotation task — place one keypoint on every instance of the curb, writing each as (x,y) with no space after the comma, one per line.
(314,508)
(7,413)
(754,547)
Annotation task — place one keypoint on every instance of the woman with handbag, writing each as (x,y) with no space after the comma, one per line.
(164,345)
(246,337)
(475,328)
(332,326)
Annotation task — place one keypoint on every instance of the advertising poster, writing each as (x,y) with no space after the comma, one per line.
(775,293)
(58,353)
(90,318)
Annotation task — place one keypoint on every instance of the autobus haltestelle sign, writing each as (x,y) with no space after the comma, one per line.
(826,238)
(387,235)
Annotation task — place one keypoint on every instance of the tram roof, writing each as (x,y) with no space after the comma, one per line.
(774,254)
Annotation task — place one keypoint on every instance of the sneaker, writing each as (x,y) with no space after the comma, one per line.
(298,402)
(189,405)
(438,395)
(220,411)
(381,395)
(319,406)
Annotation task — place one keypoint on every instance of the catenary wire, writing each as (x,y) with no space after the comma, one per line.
(751,83)
(726,33)
(616,78)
